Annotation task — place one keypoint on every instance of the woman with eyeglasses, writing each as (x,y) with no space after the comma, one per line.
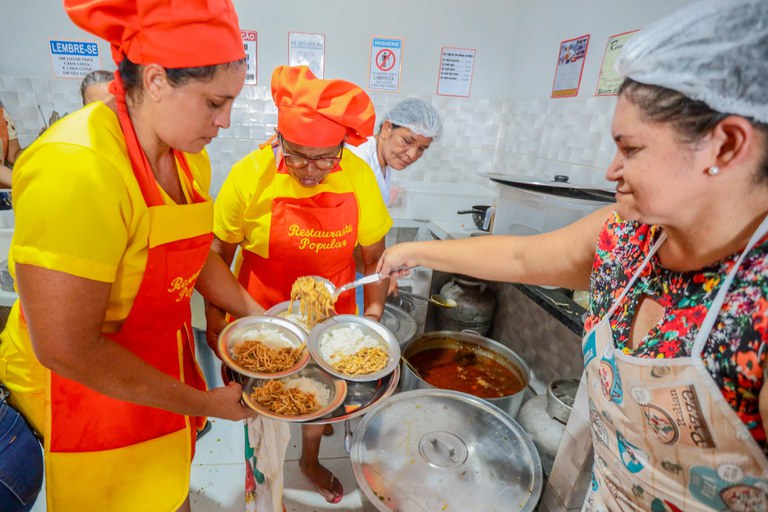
(298,206)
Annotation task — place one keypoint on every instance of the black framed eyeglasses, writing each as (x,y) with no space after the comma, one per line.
(324,163)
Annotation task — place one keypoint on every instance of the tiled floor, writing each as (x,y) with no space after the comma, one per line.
(218,470)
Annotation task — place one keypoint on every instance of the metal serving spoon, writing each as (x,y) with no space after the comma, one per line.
(373,278)
(435,298)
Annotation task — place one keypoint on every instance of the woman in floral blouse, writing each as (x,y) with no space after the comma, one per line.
(675,339)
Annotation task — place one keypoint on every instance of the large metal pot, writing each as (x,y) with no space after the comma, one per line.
(435,450)
(484,346)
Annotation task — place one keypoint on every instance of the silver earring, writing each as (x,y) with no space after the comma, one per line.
(712,171)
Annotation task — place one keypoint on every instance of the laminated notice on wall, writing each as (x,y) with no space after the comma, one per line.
(570,66)
(74,59)
(307,50)
(386,59)
(456,69)
(609,81)
(250,45)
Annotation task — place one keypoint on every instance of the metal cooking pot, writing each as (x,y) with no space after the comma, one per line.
(434,450)
(480,216)
(400,321)
(483,346)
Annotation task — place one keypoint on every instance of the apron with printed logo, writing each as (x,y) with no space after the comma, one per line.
(121,456)
(309,236)
(664,437)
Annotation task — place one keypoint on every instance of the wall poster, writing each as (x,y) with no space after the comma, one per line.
(385,64)
(609,81)
(305,49)
(570,66)
(250,45)
(456,69)
(74,59)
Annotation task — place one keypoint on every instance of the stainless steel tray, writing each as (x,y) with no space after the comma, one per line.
(361,396)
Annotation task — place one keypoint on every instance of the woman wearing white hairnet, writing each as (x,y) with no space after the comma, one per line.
(405,134)
(675,350)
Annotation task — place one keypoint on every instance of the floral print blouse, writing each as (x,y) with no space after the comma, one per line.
(736,349)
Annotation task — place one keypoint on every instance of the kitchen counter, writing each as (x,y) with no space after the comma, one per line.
(557,304)
(554,301)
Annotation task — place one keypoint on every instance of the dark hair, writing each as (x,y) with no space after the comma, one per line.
(691,119)
(131,74)
(95,77)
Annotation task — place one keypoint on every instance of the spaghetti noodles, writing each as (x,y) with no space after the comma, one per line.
(315,300)
(285,400)
(255,356)
(362,362)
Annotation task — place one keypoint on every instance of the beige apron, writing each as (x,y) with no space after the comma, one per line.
(664,437)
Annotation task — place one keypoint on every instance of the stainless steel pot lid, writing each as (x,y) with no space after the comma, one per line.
(558,185)
(400,322)
(438,450)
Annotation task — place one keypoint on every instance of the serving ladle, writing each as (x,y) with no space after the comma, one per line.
(435,298)
(335,292)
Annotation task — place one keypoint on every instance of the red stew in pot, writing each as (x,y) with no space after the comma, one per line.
(464,370)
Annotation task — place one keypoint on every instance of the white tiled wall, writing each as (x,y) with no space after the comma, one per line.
(537,138)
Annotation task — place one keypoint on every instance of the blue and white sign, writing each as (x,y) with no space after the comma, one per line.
(74,59)
(385,64)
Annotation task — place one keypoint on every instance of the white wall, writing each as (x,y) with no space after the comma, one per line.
(517,41)
(508,125)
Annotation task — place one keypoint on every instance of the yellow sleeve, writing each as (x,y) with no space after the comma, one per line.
(375,221)
(234,197)
(73,211)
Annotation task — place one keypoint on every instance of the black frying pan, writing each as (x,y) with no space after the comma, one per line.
(479,212)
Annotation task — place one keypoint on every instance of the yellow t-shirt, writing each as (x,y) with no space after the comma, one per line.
(243,208)
(79,208)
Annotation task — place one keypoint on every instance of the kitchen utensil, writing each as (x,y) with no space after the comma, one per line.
(482,346)
(480,216)
(373,278)
(410,366)
(40,109)
(435,298)
(363,325)
(434,449)
(249,327)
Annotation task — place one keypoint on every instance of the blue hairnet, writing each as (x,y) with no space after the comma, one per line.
(418,116)
(714,51)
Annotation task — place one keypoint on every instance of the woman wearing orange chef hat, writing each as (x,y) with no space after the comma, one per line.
(298,206)
(113,233)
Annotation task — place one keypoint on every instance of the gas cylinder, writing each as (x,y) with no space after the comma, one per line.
(544,418)
(475,306)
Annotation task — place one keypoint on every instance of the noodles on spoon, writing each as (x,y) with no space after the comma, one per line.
(315,300)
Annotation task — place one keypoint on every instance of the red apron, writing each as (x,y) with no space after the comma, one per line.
(128,457)
(3,137)
(309,236)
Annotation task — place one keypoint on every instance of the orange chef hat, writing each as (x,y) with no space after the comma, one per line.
(173,34)
(320,113)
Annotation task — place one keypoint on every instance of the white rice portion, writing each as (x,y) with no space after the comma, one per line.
(295,318)
(272,338)
(345,341)
(307,385)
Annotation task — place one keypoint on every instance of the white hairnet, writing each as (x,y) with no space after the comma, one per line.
(714,51)
(418,116)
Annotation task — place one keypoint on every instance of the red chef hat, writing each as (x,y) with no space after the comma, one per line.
(320,113)
(173,34)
